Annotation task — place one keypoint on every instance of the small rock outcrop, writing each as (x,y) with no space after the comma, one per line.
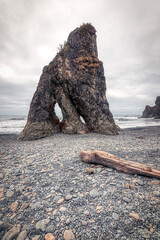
(152,112)
(75,80)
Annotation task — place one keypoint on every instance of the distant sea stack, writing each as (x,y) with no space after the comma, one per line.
(152,112)
(75,80)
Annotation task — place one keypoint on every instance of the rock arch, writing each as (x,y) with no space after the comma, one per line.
(75,80)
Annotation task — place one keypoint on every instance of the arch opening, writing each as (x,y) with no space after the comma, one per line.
(58,112)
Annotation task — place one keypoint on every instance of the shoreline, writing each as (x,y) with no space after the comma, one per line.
(46,188)
(121,130)
(140,128)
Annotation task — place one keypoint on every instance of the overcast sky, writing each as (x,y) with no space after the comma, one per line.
(128,38)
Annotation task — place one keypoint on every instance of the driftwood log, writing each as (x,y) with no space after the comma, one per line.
(109,160)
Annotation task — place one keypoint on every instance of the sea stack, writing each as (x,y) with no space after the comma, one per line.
(75,80)
(152,112)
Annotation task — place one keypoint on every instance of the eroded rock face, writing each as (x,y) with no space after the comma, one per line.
(152,112)
(75,80)
(42,120)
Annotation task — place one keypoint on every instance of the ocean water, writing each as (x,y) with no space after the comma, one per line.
(135,121)
(15,124)
(12,124)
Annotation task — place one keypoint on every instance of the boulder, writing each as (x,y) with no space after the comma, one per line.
(152,112)
(75,80)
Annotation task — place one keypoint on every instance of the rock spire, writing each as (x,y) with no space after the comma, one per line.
(152,112)
(75,80)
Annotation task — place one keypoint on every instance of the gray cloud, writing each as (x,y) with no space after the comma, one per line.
(128,43)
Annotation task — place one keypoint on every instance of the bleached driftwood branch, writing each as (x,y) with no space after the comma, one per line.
(109,160)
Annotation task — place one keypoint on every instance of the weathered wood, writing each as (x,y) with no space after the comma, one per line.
(109,160)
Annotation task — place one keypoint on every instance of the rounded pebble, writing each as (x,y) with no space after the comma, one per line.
(68,235)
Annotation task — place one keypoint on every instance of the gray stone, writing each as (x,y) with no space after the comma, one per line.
(12,233)
(11,187)
(109,169)
(115,216)
(145,233)
(126,199)
(74,196)
(9,194)
(113,183)
(94,193)
(156,193)
(140,182)
(62,209)
(119,231)
(129,207)
(57,188)
(25,227)
(129,196)
(37,205)
(68,197)
(19,216)
(42,224)
(68,221)
(37,215)
(111,190)
(127,222)
(45,203)
(136,195)
(22,235)
(50,228)
(37,237)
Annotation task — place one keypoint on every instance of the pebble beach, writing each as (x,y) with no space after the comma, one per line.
(47,192)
